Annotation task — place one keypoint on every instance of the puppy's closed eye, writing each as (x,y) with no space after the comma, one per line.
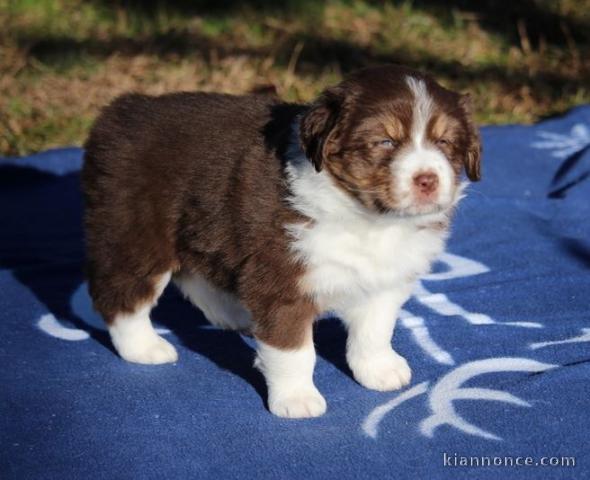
(387,143)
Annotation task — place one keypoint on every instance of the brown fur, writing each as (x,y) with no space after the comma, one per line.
(195,182)
(165,191)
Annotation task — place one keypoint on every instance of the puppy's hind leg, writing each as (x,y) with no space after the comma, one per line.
(221,308)
(134,336)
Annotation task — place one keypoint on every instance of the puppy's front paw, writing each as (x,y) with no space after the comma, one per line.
(303,403)
(383,372)
(153,350)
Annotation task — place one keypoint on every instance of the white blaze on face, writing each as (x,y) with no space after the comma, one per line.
(421,156)
(422,110)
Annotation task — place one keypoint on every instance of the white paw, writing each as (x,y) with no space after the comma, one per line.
(152,351)
(304,403)
(384,372)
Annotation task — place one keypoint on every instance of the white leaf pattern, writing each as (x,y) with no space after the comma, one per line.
(448,389)
(562,146)
(584,337)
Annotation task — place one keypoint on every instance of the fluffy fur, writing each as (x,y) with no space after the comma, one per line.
(266,214)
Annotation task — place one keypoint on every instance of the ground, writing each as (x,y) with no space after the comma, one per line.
(61,60)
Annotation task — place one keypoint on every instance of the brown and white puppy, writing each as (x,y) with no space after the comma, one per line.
(266,214)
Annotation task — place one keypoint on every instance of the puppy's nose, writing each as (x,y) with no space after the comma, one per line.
(426,182)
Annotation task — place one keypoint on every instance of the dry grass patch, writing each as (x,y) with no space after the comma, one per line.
(60,61)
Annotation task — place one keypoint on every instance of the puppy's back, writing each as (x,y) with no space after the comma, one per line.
(190,127)
(164,145)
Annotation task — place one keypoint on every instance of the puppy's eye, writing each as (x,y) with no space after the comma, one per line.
(443,142)
(387,143)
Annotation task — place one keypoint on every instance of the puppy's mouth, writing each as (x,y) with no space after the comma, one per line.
(416,210)
(413,207)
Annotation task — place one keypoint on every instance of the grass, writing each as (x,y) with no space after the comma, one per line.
(61,60)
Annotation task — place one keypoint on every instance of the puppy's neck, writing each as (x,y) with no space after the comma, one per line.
(314,193)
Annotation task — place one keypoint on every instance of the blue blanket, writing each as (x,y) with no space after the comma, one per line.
(497,336)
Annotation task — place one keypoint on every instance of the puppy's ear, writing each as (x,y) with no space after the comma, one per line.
(472,159)
(317,124)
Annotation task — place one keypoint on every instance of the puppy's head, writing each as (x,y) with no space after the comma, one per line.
(394,139)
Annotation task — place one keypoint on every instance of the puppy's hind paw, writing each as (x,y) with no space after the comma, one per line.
(152,352)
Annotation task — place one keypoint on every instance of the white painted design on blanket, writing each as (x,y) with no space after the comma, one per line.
(458,267)
(49,324)
(449,388)
(81,306)
(423,338)
(441,304)
(371,423)
(563,146)
(584,337)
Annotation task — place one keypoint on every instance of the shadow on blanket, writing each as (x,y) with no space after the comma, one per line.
(58,273)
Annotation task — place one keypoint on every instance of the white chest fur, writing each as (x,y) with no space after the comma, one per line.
(345,261)
(349,252)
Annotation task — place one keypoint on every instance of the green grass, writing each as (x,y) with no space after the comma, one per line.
(60,60)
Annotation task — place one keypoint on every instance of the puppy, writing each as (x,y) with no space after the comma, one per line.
(266,214)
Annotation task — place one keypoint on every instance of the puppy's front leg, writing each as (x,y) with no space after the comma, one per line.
(370,356)
(289,377)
